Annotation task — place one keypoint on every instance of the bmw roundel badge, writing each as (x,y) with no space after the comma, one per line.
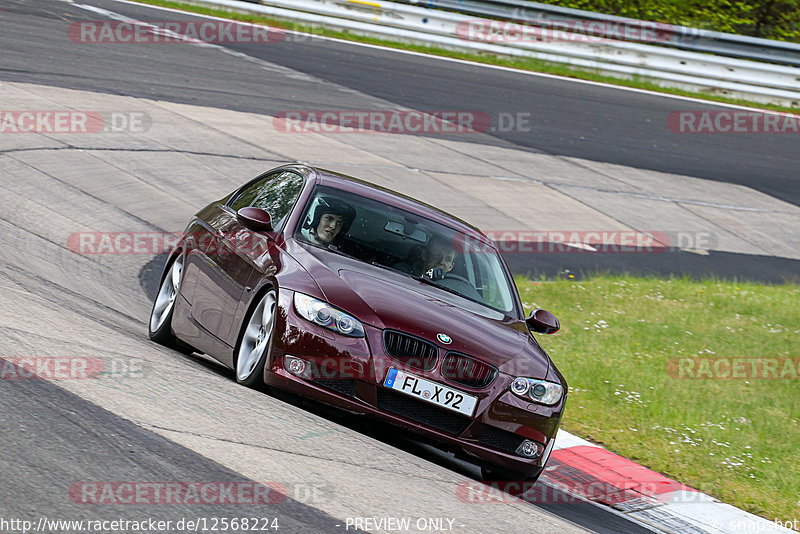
(444,338)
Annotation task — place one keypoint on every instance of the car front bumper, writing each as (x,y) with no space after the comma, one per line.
(348,373)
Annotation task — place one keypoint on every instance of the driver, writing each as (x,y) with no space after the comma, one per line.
(435,260)
(331,217)
(438,255)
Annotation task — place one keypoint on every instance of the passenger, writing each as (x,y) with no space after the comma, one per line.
(331,217)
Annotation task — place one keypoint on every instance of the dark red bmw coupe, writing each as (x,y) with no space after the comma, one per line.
(341,291)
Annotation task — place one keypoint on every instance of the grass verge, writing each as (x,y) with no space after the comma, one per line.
(528,64)
(628,347)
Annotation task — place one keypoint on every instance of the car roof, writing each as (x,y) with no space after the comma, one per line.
(393,198)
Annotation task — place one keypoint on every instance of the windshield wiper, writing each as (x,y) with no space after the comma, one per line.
(431,282)
(337,250)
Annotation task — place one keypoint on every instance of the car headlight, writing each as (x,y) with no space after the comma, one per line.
(323,314)
(540,391)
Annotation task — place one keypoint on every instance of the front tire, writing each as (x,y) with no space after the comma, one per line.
(160,326)
(256,338)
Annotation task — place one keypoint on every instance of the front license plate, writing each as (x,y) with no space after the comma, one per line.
(429,391)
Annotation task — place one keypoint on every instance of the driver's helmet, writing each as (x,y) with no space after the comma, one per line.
(332,205)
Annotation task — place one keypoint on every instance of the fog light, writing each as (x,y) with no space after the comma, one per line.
(530,449)
(294,365)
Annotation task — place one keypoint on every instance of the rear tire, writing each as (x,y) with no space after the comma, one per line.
(160,325)
(255,341)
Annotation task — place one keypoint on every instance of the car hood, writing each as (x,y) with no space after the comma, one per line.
(388,300)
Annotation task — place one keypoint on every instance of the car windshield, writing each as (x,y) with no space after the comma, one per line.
(389,237)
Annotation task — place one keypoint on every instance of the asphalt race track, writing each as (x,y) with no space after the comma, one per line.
(570,122)
(65,439)
(597,158)
(584,121)
(151,415)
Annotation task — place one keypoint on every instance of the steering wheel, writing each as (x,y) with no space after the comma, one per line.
(462,285)
(451,276)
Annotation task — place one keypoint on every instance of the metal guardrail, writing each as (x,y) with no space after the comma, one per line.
(682,37)
(733,77)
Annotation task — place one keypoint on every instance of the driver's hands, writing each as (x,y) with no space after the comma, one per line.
(437,273)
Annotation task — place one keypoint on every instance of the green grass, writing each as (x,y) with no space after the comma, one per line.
(527,64)
(736,439)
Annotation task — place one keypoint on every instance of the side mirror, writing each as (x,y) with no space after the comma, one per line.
(543,322)
(257,219)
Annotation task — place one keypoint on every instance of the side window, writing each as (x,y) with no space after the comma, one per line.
(250,193)
(274,193)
